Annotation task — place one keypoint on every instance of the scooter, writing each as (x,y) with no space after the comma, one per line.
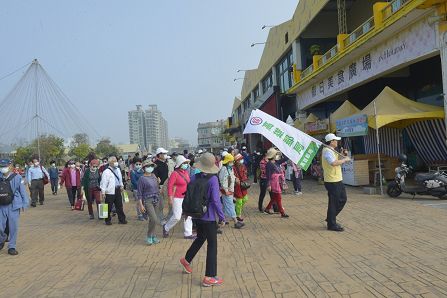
(432,184)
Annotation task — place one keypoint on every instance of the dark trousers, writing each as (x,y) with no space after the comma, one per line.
(7,228)
(116,200)
(206,231)
(337,199)
(263,191)
(37,190)
(54,184)
(255,174)
(296,183)
(73,192)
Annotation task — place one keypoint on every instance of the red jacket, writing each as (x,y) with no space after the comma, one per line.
(240,171)
(66,178)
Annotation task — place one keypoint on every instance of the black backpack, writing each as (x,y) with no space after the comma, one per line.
(6,193)
(195,203)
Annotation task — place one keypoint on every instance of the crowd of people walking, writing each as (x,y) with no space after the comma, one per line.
(221,181)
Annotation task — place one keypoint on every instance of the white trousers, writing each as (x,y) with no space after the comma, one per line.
(176,216)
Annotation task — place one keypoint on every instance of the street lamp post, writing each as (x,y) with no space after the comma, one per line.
(257,43)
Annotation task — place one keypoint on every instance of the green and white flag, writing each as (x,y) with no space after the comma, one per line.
(293,143)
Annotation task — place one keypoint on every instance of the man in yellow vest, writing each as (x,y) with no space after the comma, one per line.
(333,181)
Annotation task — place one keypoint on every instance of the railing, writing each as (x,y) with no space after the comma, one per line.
(307,71)
(360,31)
(328,56)
(393,7)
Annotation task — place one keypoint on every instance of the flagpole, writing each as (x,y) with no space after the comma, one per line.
(378,148)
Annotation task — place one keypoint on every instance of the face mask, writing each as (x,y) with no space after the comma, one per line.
(278,157)
(53,164)
(241,161)
(149,169)
(138,167)
(93,169)
(115,164)
(184,166)
(36,164)
(72,166)
(4,170)
(17,168)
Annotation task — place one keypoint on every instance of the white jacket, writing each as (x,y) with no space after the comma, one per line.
(108,183)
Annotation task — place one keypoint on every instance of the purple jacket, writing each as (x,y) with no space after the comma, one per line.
(214,203)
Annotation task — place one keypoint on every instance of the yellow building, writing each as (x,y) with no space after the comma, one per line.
(327,54)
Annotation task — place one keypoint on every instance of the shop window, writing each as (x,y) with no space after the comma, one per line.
(267,83)
(283,72)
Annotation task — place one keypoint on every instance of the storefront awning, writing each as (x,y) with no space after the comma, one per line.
(395,110)
(345,110)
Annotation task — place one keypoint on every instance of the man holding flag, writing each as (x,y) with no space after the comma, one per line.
(333,181)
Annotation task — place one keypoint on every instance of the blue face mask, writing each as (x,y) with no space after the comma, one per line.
(184,166)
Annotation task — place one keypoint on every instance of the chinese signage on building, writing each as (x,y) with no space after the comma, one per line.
(353,126)
(318,127)
(417,41)
(296,145)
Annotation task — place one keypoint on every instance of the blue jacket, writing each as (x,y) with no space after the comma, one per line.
(21,199)
(134,177)
(54,172)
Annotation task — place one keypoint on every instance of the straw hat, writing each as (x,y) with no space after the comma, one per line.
(207,164)
(271,153)
(180,160)
(228,158)
(148,163)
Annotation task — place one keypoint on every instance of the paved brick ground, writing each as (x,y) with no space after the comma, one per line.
(391,248)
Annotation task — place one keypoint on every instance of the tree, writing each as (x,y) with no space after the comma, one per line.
(23,155)
(81,151)
(105,148)
(51,147)
(79,139)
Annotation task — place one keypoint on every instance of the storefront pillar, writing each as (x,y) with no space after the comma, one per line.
(442,34)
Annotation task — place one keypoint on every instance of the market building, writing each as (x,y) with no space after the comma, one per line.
(331,62)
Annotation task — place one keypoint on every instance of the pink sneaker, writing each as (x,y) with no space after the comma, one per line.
(186,266)
(212,281)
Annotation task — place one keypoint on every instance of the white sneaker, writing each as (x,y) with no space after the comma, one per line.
(298,193)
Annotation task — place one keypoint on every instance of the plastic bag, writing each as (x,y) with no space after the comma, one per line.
(126,197)
(103,210)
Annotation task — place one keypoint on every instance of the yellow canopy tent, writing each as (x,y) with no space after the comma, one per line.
(300,125)
(345,110)
(395,110)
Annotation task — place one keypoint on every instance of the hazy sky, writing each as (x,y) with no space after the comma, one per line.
(108,56)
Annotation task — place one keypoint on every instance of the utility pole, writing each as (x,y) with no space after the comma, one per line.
(36,65)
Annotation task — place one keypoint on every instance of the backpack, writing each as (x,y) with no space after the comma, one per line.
(6,193)
(195,203)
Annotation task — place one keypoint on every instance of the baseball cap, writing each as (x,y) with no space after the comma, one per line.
(5,162)
(161,150)
(330,137)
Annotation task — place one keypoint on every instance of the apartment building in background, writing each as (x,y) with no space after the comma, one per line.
(148,128)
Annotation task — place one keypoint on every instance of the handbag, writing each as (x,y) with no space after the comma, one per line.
(45,177)
(244,184)
(79,205)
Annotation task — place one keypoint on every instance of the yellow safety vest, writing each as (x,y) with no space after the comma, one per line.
(331,173)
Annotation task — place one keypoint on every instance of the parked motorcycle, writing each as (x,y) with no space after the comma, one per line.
(432,184)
